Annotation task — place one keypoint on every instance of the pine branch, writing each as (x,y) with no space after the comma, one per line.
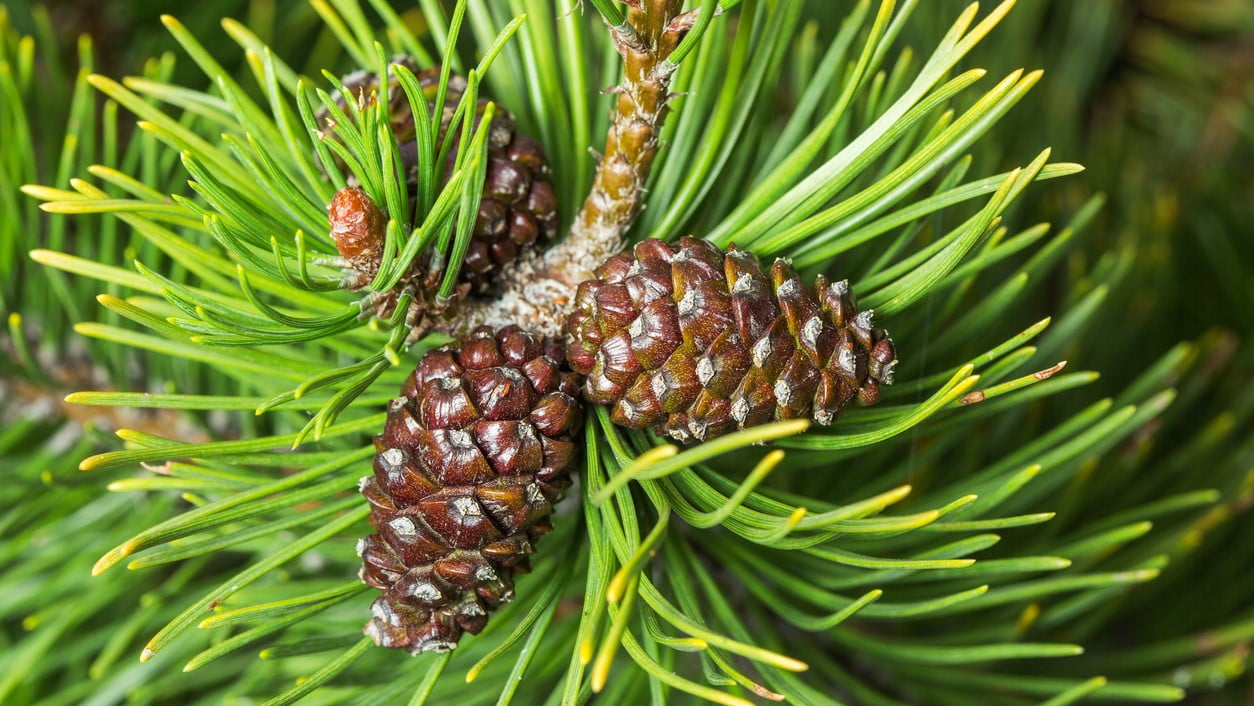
(536,290)
(820,534)
(653,30)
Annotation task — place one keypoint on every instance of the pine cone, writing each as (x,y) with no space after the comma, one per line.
(518,204)
(474,454)
(698,343)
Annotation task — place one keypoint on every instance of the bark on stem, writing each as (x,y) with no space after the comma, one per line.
(538,288)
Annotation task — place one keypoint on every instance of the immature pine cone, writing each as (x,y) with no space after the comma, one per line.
(473,456)
(698,343)
(518,204)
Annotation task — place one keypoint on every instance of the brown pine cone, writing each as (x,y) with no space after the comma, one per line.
(518,206)
(474,454)
(698,343)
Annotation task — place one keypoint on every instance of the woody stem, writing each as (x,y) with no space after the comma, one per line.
(630,143)
(538,287)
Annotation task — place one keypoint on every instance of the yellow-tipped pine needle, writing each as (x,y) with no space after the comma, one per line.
(1027,618)
(112,557)
(618,584)
(609,646)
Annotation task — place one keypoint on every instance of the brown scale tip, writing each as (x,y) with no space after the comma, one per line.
(357,224)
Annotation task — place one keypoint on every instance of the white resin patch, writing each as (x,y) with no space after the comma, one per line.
(466,507)
(886,373)
(378,611)
(426,591)
(762,351)
(393,457)
(705,370)
(811,330)
(636,329)
(783,392)
(526,432)
(534,496)
(662,383)
(698,429)
(689,302)
(404,526)
(846,361)
(443,646)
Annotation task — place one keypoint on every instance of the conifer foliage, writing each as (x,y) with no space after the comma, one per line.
(518,205)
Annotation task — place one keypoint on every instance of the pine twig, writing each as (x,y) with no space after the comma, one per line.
(539,287)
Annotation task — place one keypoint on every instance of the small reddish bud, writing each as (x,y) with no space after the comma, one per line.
(357,224)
